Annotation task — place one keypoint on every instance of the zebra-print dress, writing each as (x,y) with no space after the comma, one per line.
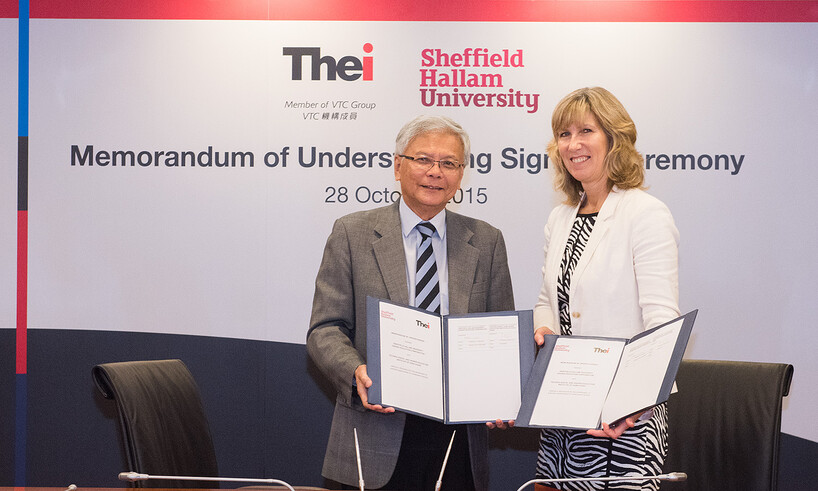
(563,453)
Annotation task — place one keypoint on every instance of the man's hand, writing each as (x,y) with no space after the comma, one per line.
(363,383)
(540,333)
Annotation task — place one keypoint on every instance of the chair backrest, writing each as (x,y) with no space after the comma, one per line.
(164,427)
(725,425)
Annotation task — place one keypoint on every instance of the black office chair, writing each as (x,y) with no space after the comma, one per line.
(163,423)
(725,425)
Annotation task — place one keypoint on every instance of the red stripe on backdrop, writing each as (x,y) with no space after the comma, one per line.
(22,292)
(8,9)
(435,10)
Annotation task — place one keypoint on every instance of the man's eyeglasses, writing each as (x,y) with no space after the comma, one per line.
(425,163)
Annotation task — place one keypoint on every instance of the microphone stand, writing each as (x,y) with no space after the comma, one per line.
(135,476)
(673,476)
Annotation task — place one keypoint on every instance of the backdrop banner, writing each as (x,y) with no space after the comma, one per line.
(183,175)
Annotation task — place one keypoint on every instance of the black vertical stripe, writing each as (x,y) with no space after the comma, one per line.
(22,173)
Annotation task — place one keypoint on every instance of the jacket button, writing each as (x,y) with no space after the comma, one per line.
(575,315)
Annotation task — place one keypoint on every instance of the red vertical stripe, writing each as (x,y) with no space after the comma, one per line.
(22,291)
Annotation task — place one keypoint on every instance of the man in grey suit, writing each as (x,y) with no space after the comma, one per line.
(374,253)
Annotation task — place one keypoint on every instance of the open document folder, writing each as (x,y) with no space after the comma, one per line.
(580,382)
(457,368)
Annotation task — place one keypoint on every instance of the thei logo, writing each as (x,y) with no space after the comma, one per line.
(349,68)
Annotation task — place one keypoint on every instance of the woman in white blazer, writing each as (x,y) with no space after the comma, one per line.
(611,269)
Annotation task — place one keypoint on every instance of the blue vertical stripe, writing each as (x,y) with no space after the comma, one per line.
(22,63)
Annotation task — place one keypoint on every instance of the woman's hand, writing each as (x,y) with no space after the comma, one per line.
(540,333)
(617,428)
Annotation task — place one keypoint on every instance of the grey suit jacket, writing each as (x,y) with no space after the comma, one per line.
(364,256)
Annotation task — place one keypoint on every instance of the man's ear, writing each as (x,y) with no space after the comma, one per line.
(396,165)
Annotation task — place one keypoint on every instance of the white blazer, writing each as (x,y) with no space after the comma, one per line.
(627,279)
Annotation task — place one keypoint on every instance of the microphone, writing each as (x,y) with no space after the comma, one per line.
(672,476)
(132,476)
(445,460)
(136,476)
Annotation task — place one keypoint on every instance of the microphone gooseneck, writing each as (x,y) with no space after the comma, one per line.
(358,458)
(439,482)
(672,476)
(136,476)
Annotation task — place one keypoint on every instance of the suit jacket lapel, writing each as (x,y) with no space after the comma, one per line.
(388,249)
(601,227)
(462,263)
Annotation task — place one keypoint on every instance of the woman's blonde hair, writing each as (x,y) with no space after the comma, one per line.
(623,164)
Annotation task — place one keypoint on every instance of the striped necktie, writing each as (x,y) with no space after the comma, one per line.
(427,287)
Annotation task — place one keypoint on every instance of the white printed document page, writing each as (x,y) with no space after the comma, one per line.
(641,372)
(411,371)
(576,382)
(483,368)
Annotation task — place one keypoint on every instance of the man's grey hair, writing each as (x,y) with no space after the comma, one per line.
(432,124)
